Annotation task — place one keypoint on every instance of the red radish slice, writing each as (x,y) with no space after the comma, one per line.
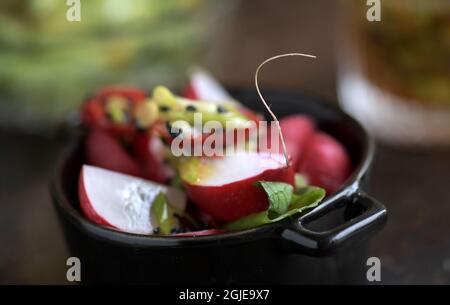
(104,151)
(283,143)
(325,162)
(203,86)
(224,187)
(149,150)
(297,129)
(190,93)
(201,233)
(120,201)
(294,151)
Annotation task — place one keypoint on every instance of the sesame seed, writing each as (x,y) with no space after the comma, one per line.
(164,108)
(221,109)
(191,108)
(174,132)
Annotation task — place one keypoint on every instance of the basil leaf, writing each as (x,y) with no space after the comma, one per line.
(279,195)
(249,221)
(305,198)
(162,215)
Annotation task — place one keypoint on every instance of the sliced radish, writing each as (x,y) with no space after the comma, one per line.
(149,150)
(297,129)
(203,86)
(224,187)
(103,150)
(325,162)
(121,201)
(189,92)
(294,151)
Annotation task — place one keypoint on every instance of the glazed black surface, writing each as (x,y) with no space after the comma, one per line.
(277,253)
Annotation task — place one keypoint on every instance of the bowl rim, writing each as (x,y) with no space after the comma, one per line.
(63,205)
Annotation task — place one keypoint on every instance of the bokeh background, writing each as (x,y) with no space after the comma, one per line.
(394,75)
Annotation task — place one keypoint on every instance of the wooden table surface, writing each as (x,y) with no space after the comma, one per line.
(414,247)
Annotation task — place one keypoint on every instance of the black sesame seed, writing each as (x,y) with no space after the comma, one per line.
(221,109)
(174,132)
(191,108)
(164,108)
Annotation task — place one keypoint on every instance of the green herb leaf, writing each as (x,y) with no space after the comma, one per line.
(176,182)
(306,198)
(279,194)
(162,214)
(247,222)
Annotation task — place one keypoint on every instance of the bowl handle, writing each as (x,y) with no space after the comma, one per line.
(372,216)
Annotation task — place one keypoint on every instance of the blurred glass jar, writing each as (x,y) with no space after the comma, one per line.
(49,65)
(394,74)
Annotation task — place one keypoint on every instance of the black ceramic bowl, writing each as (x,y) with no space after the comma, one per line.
(325,245)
